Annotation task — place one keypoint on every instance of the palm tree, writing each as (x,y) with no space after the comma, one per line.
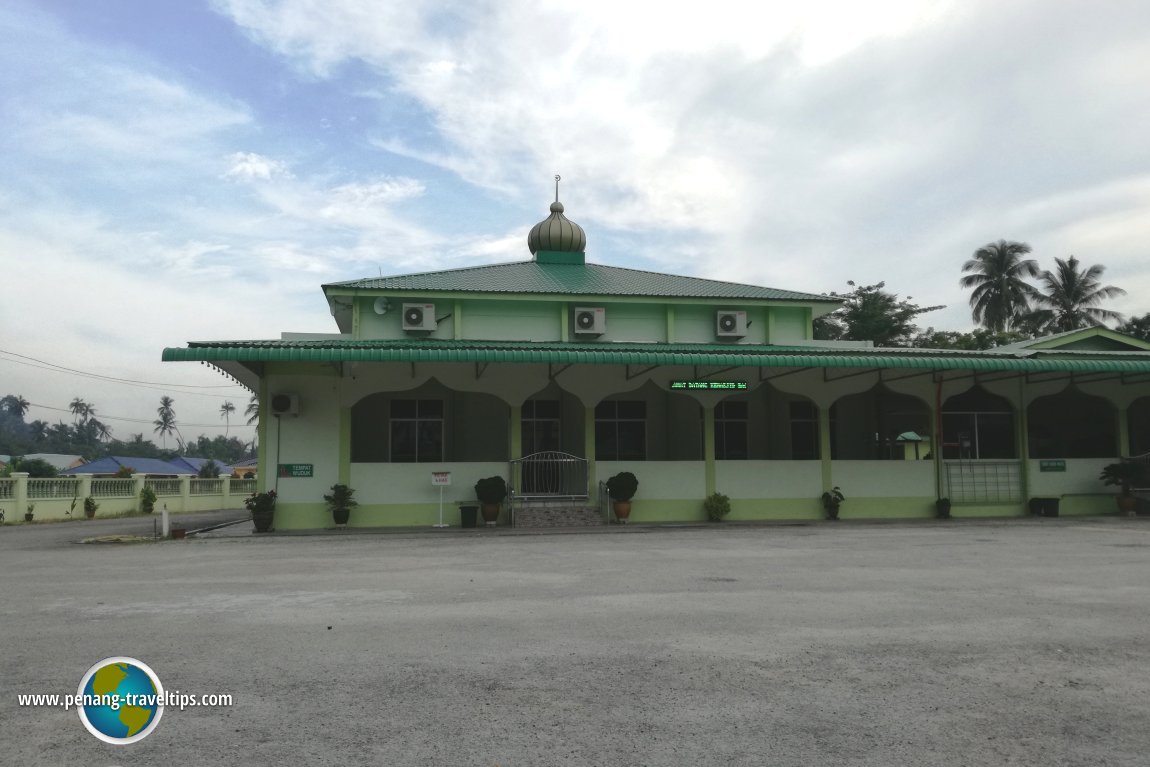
(1070,296)
(1001,296)
(252,411)
(226,411)
(80,409)
(166,423)
(103,431)
(14,404)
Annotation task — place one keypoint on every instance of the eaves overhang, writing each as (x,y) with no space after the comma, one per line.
(250,353)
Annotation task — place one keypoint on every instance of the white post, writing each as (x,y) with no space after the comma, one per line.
(165,524)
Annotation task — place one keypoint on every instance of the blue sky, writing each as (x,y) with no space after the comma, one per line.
(195,170)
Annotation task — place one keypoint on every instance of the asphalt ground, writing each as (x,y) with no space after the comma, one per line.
(948,643)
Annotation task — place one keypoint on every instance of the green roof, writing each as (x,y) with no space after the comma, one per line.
(532,277)
(741,355)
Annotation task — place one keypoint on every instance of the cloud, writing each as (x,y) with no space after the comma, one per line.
(250,166)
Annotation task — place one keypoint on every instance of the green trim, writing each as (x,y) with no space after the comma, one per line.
(457,320)
(770,326)
(742,355)
(670,324)
(345,445)
(709,448)
(564,323)
(1064,339)
(262,466)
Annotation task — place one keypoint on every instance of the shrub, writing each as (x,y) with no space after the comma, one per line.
(491,490)
(622,486)
(717,506)
(147,500)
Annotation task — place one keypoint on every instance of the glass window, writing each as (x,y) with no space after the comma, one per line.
(416,431)
(621,430)
(731,431)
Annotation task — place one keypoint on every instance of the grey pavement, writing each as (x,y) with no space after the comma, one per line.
(965,643)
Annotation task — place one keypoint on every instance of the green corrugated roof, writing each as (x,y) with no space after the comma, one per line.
(531,277)
(435,350)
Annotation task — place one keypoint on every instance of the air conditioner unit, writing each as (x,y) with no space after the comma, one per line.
(285,404)
(419,317)
(730,324)
(590,320)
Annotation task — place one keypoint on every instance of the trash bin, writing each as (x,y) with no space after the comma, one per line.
(468,514)
(1044,507)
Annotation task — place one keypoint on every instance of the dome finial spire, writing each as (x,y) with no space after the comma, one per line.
(557,179)
(556,239)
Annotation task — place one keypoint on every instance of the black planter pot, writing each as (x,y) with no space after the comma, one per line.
(341,516)
(263,521)
(942,508)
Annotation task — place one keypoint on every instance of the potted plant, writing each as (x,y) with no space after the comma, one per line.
(1125,474)
(622,488)
(147,500)
(942,508)
(832,499)
(340,503)
(90,507)
(263,507)
(717,506)
(490,492)
(28,515)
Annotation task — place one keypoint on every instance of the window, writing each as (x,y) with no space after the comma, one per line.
(621,431)
(416,430)
(731,431)
(540,430)
(805,430)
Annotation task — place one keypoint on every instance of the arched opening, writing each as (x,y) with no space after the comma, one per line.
(880,425)
(1071,424)
(978,425)
(1138,424)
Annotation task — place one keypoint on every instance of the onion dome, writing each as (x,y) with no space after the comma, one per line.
(557,234)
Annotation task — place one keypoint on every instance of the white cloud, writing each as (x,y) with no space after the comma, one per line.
(250,166)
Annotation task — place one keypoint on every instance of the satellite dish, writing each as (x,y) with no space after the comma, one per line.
(381,305)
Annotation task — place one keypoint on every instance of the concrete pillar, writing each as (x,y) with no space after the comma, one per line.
(84,491)
(709,447)
(1123,430)
(515,439)
(185,492)
(825,446)
(589,449)
(226,491)
(21,492)
(138,481)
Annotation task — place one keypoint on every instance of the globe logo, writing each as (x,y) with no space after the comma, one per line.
(121,700)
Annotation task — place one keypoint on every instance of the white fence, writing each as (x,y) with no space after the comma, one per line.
(63,497)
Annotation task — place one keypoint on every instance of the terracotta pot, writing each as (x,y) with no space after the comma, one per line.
(1127,504)
(490,513)
(622,510)
(179,533)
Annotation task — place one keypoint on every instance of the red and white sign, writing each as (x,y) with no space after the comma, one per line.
(440,478)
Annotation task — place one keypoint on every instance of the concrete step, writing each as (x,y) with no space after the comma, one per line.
(550,515)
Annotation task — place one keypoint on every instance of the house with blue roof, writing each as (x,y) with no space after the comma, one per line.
(557,373)
(110,465)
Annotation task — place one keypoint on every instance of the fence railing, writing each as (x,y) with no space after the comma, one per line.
(113,488)
(164,486)
(243,486)
(7,489)
(53,488)
(207,487)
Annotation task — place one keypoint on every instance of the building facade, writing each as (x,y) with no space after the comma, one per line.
(556,373)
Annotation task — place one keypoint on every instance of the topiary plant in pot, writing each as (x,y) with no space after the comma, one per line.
(147,500)
(491,492)
(1126,475)
(263,508)
(90,507)
(622,488)
(942,508)
(340,503)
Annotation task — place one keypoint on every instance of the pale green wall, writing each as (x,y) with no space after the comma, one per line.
(788,325)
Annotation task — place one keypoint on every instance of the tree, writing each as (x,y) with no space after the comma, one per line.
(80,409)
(869,313)
(166,423)
(14,404)
(1139,327)
(1001,295)
(226,411)
(980,339)
(252,411)
(1069,298)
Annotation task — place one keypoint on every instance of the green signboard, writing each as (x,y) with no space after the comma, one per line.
(1054,465)
(709,385)
(296,469)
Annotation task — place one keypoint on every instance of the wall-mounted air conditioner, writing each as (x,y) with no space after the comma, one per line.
(590,320)
(730,324)
(285,404)
(419,317)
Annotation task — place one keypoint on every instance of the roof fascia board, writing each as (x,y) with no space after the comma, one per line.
(458,295)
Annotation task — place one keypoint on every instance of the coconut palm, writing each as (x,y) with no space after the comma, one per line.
(14,404)
(166,423)
(226,411)
(1001,295)
(252,411)
(80,409)
(1069,298)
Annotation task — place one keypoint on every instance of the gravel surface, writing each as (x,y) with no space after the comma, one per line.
(961,643)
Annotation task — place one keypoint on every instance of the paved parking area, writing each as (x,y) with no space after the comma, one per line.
(980,643)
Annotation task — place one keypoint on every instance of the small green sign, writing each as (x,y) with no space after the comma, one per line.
(709,385)
(296,469)
(1053,465)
